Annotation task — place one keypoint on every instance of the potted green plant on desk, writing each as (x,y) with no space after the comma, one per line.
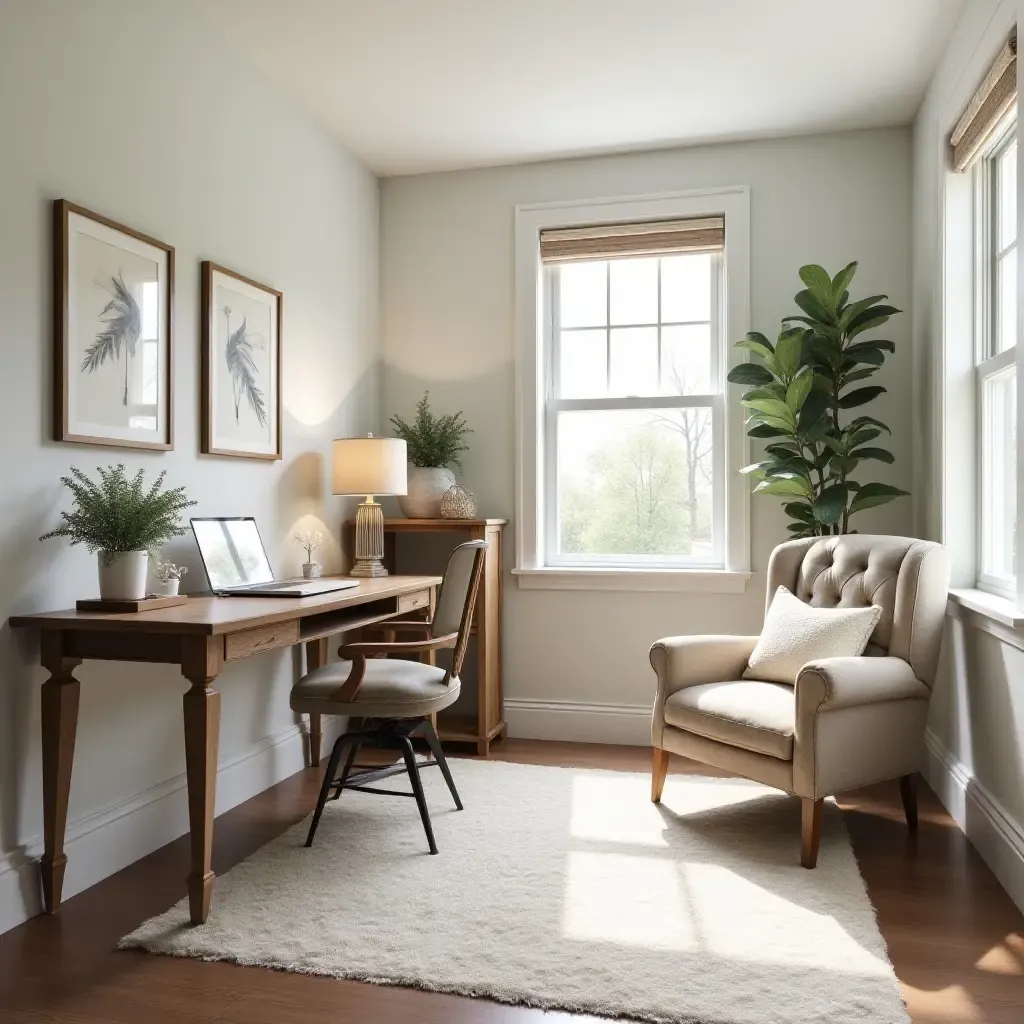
(122,521)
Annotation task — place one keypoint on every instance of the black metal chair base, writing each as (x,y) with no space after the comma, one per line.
(386,734)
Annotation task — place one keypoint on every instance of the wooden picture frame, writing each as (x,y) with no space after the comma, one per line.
(113,327)
(241,332)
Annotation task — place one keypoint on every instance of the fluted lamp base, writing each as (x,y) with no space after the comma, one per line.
(369,552)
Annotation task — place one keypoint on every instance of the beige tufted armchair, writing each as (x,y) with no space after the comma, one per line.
(847,722)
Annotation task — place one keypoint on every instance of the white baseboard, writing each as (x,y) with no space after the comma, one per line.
(581,723)
(986,823)
(103,842)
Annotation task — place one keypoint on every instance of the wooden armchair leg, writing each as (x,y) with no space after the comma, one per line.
(908,792)
(659,768)
(810,831)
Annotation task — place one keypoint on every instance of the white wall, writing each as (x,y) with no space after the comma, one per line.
(447,323)
(976,738)
(138,110)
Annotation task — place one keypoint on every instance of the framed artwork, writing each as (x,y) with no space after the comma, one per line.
(241,378)
(113,302)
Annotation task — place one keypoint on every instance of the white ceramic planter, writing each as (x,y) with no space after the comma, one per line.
(123,575)
(166,588)
(426,488)
(312,570)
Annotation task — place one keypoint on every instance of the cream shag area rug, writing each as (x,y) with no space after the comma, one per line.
(569,889)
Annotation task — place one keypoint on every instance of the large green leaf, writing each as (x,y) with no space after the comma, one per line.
(841,282)
(861,396)
(854,309)
(777,391)
(871,313)
(860,435)
(771,407)
(784,428)
(757,347)
(782,449)
(765,430)
(783,486)
(874,494)
(799,510)
(815,406)
(799,389)
(862,421)
(849,378)
(813,307)
(750,373)
(787,351)
(880,454)
(825,351)
(830,504)
(819,283)
(757,467)
(865,352)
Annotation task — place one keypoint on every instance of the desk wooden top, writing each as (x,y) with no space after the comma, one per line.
(210,616)
(403,525)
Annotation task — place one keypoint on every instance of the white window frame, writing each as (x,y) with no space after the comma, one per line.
(988,363)
(534,458)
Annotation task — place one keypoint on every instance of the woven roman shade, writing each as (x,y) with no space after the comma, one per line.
(995,96)
(653,238)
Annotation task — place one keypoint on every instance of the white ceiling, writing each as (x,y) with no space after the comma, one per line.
(425,85)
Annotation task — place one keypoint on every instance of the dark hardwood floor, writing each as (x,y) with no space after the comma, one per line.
(954,936)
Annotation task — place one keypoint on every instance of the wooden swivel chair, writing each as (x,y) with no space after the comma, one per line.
(395,698)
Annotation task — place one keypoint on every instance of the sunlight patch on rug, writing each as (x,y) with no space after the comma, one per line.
(566,889)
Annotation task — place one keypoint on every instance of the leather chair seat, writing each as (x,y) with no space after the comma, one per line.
(753,715)
(391,688)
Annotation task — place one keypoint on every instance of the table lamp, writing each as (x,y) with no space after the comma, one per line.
(369,465)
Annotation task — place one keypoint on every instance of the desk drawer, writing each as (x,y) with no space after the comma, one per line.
(264,638)
(409,602)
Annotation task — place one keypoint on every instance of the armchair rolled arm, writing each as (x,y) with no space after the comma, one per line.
(681,661)
(832,683)
(858,720)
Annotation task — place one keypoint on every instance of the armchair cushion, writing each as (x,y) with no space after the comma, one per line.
(795,633)
(754,715)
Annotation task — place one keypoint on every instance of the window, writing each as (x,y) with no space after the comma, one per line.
(996,375)
(626,442)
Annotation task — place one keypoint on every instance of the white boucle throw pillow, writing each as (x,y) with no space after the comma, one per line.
(794,633)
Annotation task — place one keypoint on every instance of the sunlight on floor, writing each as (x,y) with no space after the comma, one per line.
(612,897)
(670,899)
(1006,957)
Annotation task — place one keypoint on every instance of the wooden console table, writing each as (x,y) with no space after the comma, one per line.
(200,636)
(489,722)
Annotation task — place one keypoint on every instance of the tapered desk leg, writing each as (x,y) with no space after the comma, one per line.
(201,709)
(59,715)
(317,653)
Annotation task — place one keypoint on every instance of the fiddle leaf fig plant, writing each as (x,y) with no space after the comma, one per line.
(799,397)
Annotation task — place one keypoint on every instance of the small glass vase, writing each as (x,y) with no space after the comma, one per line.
(312,570)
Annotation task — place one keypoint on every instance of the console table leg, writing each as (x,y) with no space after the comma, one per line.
(201,707)
(59,715)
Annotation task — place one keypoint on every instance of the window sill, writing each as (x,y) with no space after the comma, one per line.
(700,581)
(1000,609)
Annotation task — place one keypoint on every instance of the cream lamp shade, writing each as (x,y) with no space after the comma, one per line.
(369,465)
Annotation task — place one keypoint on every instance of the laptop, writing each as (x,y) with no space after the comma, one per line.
(236,562)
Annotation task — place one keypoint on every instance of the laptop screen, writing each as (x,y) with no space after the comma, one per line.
(232,552)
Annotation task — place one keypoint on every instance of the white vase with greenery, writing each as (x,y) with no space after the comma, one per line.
(121,521)
(434,443)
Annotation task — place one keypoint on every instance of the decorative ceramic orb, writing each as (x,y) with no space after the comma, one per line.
(458,503)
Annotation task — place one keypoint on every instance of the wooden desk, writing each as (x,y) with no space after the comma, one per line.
(200,636)
(488,724)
